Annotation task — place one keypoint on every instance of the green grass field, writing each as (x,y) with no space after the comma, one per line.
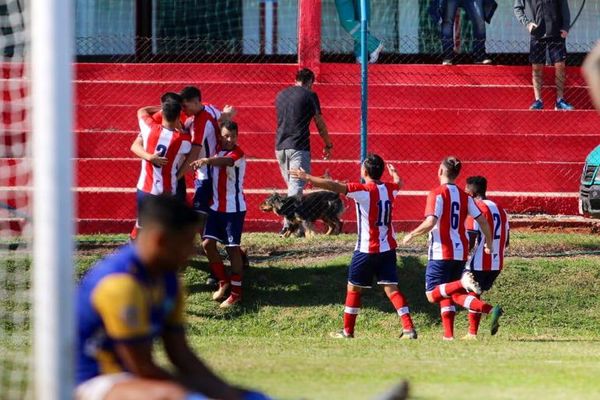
(548,346)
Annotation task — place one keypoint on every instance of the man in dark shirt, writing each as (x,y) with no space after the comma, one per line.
(548,22)
(296,106)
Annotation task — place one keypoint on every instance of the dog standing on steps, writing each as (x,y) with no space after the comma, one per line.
(306,210)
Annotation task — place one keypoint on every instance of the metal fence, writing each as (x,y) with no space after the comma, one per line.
(419,111)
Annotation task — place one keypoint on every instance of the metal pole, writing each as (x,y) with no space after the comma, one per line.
(52,149)
(364,61)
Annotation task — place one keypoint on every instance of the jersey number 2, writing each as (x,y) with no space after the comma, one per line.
(161,150)
(384,215)
(498,223)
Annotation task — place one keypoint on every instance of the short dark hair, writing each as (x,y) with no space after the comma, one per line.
(168,213)
(170,96)
(190,93)
(478,185)
(374,166)
(230,125)
(171,110)
(452,165)
(305,76)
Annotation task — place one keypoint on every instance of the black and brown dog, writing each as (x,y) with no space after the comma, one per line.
(306,210)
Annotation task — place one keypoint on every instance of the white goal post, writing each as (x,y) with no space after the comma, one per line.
(51,60)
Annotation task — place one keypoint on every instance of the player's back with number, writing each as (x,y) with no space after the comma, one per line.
(169,143)
(498,221)
(374,207)
(448,238)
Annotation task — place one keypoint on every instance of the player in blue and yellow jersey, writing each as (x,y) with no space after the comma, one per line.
(130,299)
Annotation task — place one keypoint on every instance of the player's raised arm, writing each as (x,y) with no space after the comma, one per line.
(395,176)
(326,184)
(591,72)
(147,111)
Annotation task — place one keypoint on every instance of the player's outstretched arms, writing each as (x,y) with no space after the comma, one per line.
(326,184)
(189,158)
(395,176)
(137,148)
(193,373)
(487,232)
(214,161)
(426,226)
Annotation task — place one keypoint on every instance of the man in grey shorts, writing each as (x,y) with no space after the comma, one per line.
(296,106)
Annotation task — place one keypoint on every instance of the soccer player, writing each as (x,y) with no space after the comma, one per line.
(591,72)
(203,124)
(446,281)
(375,252)
(201,121)
(226,214)
(134,297)
(162,148)
(485,267)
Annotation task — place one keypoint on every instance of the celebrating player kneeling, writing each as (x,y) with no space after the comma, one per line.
(226,214)
(446,280)
(485,267)
(375,252)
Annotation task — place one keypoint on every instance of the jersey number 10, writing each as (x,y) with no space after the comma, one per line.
(384,214)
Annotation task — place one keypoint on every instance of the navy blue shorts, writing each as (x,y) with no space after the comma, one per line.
(442,271)
(365,266)
(139,198)
(485,279)
(225,228)
(203,195)
(556,47)
(180,192)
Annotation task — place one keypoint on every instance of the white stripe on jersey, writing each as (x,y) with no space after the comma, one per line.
(477,260)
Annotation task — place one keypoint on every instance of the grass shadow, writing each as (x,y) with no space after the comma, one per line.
(283,284)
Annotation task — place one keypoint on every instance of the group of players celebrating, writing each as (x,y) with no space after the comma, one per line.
(449,214)
(135,296)
(186,134)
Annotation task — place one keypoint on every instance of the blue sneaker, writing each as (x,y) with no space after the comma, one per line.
(537,105)
(561,104)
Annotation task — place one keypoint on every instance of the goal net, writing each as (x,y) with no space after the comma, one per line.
(15,203)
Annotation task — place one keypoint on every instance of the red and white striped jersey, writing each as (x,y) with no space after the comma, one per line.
(374,206)
(448,238)
(498,222)
(171,144)
(228,183)
(204,128)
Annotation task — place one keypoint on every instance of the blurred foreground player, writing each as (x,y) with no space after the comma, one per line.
(591,72)
(130,299)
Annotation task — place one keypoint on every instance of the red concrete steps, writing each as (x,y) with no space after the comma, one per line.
(381,120)
(337,94)
(418,175)
(423,146)
(120,205)
(329,73)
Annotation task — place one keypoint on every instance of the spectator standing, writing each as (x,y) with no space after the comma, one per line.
(296,106)
(349,13)
(548,22)
(475,11)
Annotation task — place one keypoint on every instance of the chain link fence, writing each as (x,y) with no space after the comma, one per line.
(418,112)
